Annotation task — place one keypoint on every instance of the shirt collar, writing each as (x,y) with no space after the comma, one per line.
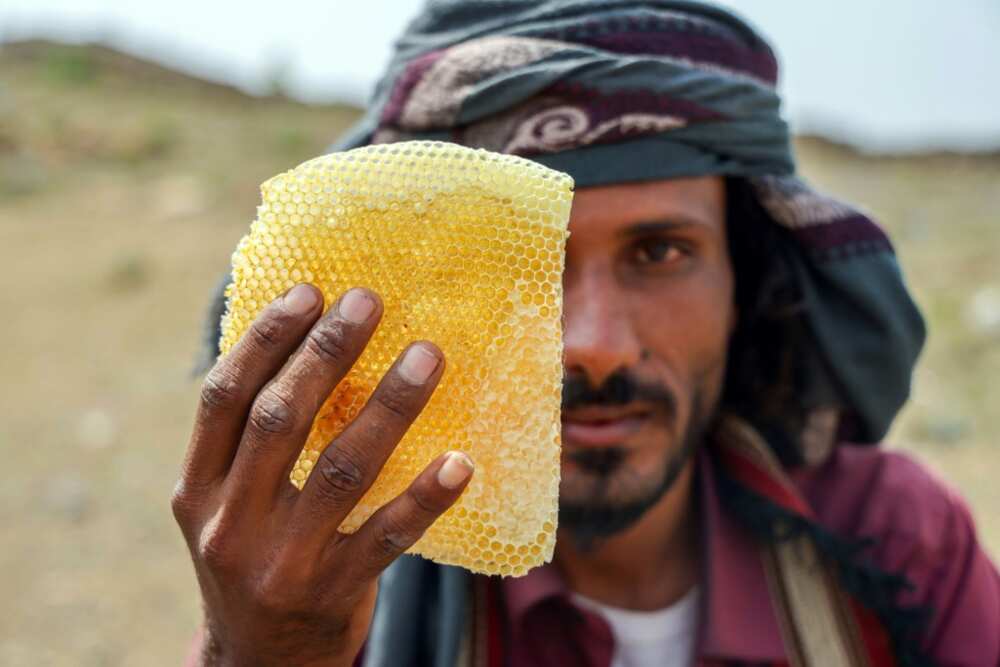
(738,619)
(521,594)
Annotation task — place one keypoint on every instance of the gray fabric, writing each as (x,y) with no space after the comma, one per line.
(455,605)
(395,630)
(419,615)
(860,290)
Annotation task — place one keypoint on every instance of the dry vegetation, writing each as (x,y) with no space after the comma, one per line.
(123,188)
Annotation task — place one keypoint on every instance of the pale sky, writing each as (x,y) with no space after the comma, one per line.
(883,74)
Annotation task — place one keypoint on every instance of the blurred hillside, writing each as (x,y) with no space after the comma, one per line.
(123,189)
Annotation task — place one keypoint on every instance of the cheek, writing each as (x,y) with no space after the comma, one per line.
(685,329)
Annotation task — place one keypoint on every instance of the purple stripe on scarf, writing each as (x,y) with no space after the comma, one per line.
(405,84)
(699,49)
(673,38)
(856,230)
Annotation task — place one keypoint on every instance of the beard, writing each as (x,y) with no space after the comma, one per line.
(615,496)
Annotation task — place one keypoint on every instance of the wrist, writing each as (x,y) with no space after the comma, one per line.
(214,653)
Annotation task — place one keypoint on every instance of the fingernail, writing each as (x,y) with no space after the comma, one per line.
(455,470)
(418,364)
(356,306)
(301,299)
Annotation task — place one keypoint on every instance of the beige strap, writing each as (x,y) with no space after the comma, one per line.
(812,606)
(816,626)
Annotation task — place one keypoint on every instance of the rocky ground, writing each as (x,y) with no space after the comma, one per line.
(123,189)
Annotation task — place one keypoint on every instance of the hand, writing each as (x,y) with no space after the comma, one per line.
(281,585)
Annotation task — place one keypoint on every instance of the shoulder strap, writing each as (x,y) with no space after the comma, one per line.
(820,624)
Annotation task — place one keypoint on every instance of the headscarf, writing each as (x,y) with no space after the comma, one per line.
(617,91)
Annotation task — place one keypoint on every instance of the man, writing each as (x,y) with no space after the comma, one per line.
(735,345)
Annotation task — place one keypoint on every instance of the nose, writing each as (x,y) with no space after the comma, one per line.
(599,337)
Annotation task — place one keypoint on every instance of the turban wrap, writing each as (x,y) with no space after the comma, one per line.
(614,91)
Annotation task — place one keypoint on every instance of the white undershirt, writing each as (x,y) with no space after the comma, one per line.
(661,638)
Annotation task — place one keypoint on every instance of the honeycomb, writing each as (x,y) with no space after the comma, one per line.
(466,248)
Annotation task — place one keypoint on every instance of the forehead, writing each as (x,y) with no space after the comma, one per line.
(607,208)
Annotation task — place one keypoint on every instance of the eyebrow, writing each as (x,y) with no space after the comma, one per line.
(653,226)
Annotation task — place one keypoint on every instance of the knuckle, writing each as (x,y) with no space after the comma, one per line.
(183,504)
(372,431)
(327,342)
(393,536)
(289,587)
(272,413)
(265,333)
(220,389)
(275,593)
(339,474)
(397,402)
(215,550)
(427,503)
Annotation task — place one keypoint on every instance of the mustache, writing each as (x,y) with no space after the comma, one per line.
(619,388)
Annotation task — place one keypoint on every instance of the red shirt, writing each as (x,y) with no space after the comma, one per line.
(923,531)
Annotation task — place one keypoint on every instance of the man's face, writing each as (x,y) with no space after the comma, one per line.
(648,311)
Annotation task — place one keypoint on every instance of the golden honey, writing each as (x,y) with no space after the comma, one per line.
(466,249)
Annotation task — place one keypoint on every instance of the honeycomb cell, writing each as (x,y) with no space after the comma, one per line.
(466,248)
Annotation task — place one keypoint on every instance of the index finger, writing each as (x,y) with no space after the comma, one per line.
(348,466)
(231,386)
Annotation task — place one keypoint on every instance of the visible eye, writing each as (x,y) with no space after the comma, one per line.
(657,251)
